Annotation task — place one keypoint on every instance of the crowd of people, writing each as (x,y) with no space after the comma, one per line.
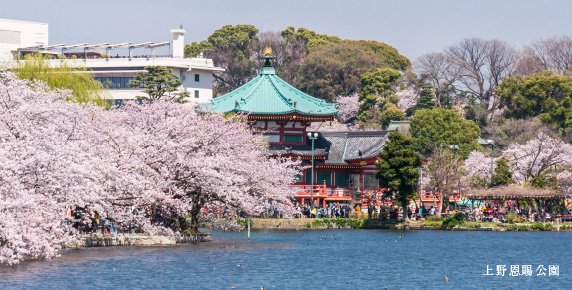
(89,221)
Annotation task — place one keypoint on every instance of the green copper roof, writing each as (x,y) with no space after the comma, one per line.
(267,94)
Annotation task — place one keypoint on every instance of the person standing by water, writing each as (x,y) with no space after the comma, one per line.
(358,211)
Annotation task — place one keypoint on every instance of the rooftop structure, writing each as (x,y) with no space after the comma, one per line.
(113,69)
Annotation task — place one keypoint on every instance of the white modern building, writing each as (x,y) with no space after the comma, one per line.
(115,71)
(15,34)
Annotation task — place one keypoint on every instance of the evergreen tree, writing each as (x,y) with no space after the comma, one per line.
(502,174)
(157,81)
(426,100)
(399,168)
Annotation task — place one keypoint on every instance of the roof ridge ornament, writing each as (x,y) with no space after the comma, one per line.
(267,56)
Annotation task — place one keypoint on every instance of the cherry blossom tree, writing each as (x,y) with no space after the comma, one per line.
(207,161)
(348,107)
(46,165)
(478,168)
(131,165)
(564,180)
(408,98)
(534,158)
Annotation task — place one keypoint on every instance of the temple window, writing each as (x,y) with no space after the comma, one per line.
(293,138)
(324,176)
(342,178)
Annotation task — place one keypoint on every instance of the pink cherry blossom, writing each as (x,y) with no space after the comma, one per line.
(536,156)
(128,164)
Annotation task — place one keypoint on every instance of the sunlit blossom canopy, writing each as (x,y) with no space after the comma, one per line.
(267,94)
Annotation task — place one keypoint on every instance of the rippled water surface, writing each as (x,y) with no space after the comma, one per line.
(329,259)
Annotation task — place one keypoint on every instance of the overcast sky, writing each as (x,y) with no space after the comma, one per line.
(413,27)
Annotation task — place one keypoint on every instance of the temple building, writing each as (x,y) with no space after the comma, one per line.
(344,162)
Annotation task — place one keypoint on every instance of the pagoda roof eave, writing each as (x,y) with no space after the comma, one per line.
(289,116)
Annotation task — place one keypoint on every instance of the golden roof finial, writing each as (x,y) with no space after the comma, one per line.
(268,50)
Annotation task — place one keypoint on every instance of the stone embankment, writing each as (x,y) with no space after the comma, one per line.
(353,223)
(106,240)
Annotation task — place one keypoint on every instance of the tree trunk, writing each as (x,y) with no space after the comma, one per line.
(440,207)
(195,211)
(405,212)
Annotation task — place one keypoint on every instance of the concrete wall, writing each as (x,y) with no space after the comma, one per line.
(107,240)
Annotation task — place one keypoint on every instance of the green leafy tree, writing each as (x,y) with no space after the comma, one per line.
(444,127)
(195,49)
(377,89)
(65,74)
(386,53)
(502,174)
(309,37)
(399,168)
(157,81)
(230,47)
(544,94)
(335,69)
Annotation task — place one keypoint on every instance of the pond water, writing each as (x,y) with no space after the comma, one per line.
(319,259)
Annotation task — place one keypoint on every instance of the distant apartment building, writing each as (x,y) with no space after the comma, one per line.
(115,71)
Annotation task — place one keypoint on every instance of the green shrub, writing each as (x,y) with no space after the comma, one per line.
(450,223)
(459,217)
(537,226)
(513,218)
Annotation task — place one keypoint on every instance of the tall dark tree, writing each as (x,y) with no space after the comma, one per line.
(426,100)
(399,168)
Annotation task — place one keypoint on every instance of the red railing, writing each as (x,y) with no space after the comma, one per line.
(428,196)
(322,191)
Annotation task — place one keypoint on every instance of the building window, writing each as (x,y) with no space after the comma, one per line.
(324,177)
(197,78)
(114,82)
(342,178)
(293,138)
(196,94)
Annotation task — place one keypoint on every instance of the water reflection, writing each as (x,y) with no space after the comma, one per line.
(330,259)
